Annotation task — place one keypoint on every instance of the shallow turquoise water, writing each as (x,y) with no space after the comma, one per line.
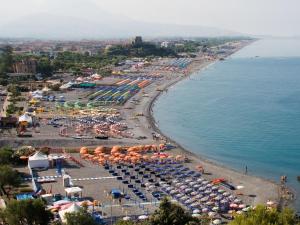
(242,111)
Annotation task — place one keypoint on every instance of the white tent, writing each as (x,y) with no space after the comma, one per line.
(73,208)
(73,190)
(25,118)
(38,160)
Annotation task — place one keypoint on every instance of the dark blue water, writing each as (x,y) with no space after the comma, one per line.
(242,111)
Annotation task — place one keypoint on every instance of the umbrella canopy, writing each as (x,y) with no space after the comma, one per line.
(196,211)
(217,221)
(126,218)
(143,217)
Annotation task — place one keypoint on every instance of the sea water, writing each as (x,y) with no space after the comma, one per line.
(244,111)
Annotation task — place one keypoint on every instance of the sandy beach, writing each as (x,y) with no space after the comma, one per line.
(257,190)
(137,112)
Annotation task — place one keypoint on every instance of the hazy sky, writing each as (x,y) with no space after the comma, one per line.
(271,17)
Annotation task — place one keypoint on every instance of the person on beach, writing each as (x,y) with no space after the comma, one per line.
(246,169)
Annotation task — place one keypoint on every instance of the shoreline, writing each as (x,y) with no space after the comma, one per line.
(260,184)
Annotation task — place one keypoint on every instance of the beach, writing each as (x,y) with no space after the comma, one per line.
(137,113)
(256,190)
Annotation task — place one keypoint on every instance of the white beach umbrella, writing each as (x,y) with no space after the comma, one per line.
(179,195)
(223,201)
(237,200)
(194,193)
(199,196)
(217,221)
(226,194)
(195,204)
(196,215)
(204,199)
(239,187)
(205,210)
(173,192)
(246,209)
(212,214)
(200,179)
(239,212)
(221,190)
(197,186)
(207,192)
(143,217)
(209,203)
(218,198)
(126,218)
(196,211)
(269,203)
(215,209)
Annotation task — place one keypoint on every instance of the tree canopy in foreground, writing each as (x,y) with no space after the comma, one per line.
(26,212)
(263,216)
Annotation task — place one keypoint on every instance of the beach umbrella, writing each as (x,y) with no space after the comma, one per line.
(194,193)
(233,205)
(99,149)
(239,187)
(270,203)
(209,203)
(196,215)
(212,214)
(143,217)
(241,206)
(196,211)
(205,210)
(226,194)
(195,204)
(237,200)
(239,212)
(126,218)
(217,221)
(246,209)
(221,190)
(215,209)
(23,157)
(84,150)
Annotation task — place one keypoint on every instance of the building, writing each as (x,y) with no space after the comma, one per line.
(25,66)
(137,40)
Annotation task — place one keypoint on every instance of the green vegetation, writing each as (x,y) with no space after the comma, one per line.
(9,179)
(6,61)
(25,212)
(263,216)
(169,213)
(6,155)
(82,217)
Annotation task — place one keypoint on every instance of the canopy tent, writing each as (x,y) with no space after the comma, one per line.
(96,76)
(46,89)
(25,118)
(38,160)
(73,190)
(73,208)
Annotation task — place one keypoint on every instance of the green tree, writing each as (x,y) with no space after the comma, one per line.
(9,178)
(170,213)
(5,155)
(6,59)
(80,218)
(26,212)
(263,216)
(45,66)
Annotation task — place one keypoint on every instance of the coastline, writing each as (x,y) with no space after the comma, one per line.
(257,190)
